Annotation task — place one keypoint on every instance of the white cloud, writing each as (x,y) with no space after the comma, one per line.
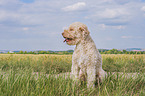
(126,37)
(129,37)
(2,2)
(143,8)
(109,38)
(41,19)
(119,27)
(74,7)
(103,26)
(8,9)
(5,2)
(25,28)
(112,13)
(8,15)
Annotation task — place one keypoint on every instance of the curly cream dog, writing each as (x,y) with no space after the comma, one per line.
(86,60)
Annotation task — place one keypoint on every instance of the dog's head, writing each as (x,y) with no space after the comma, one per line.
(75,33)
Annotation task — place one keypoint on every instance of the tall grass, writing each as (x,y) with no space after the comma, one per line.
(38,63)
(124,63)
(17,78)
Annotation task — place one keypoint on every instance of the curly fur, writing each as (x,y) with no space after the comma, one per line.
(86,59)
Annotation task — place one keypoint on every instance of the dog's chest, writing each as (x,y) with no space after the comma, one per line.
(80,58)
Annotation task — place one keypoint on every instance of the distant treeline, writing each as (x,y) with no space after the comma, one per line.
(102,51)
(115,51)
(44,52)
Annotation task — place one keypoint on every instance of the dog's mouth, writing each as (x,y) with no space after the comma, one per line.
(67,39)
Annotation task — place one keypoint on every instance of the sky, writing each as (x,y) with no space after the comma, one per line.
(38,24)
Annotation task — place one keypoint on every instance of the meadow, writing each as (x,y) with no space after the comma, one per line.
(18,79)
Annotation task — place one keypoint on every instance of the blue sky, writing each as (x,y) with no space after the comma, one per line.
(27,1)
(38,24)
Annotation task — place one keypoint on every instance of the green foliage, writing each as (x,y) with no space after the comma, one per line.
(21,52)
(44,52)
(115,51)
(102,51)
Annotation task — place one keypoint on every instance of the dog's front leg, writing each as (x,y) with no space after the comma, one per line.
(91,77)
(75,72)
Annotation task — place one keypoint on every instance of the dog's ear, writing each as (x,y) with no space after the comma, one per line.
(84,31)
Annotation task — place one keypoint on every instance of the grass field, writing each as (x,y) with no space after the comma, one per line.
(17,78)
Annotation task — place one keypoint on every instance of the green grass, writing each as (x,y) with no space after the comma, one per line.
(38,63)
(17,78)
(124,63)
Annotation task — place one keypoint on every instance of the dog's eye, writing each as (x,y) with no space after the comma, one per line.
(71,29)
(81,29)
